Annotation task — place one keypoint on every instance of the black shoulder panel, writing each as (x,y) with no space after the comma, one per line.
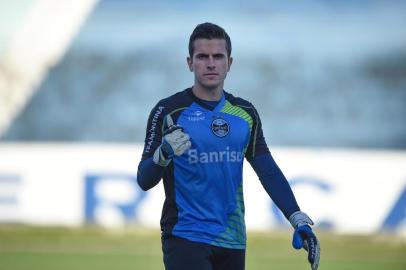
(257,145)
(172,106)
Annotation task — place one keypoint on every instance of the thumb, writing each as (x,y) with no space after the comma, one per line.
(297,241)
(169,121)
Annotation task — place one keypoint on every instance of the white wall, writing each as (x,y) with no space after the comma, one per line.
(350,191)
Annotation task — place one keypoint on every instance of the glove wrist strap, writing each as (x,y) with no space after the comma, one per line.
(160,159)
(299,218)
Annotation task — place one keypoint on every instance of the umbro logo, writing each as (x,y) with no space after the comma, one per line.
(196,116)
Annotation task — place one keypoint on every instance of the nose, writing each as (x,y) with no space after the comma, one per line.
(210,63)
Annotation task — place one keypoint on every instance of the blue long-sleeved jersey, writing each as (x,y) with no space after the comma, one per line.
(203,187)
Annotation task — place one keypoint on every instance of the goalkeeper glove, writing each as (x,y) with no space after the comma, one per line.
(174,143)
(303,237)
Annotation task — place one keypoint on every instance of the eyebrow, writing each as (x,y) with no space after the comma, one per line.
(215,55)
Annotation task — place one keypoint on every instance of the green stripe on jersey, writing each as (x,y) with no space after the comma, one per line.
(237,111)
(234,235)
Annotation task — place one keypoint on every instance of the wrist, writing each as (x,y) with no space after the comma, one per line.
(299,218)
(166,150)
(161,158)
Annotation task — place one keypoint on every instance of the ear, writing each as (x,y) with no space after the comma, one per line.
(190,63)
(230,62)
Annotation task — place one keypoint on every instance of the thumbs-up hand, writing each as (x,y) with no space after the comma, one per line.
(174,143)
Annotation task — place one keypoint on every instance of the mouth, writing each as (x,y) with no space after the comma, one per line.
(211,74)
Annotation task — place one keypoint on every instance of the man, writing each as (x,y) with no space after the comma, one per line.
(196,140)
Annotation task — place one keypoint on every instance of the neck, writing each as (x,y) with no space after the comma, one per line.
(214,94)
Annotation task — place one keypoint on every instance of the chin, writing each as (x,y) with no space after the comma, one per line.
(211,87)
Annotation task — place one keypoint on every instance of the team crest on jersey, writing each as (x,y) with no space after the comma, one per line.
(220,127)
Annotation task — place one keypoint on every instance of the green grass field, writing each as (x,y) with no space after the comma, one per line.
(33,248)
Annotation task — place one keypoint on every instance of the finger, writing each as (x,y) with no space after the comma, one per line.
(188,145)
(315,264)
(183,147)
(172,129)
(297,241)
(305,246)
(313,251)
(183,137)
(178,133)
(184,144)
(177,137)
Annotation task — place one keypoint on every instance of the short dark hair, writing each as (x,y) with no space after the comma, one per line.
(209,31)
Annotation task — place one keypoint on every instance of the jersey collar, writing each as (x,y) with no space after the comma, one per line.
(218,107)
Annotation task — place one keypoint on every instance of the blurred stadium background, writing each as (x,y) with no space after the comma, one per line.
(79,78)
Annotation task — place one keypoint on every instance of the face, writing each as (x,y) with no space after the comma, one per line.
(209,63)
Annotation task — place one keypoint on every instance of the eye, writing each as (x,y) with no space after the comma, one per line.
(219,56)
(202,56)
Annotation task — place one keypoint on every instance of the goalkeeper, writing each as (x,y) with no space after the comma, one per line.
(196,140)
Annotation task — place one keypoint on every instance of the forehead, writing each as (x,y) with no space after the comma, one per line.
(209,46)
